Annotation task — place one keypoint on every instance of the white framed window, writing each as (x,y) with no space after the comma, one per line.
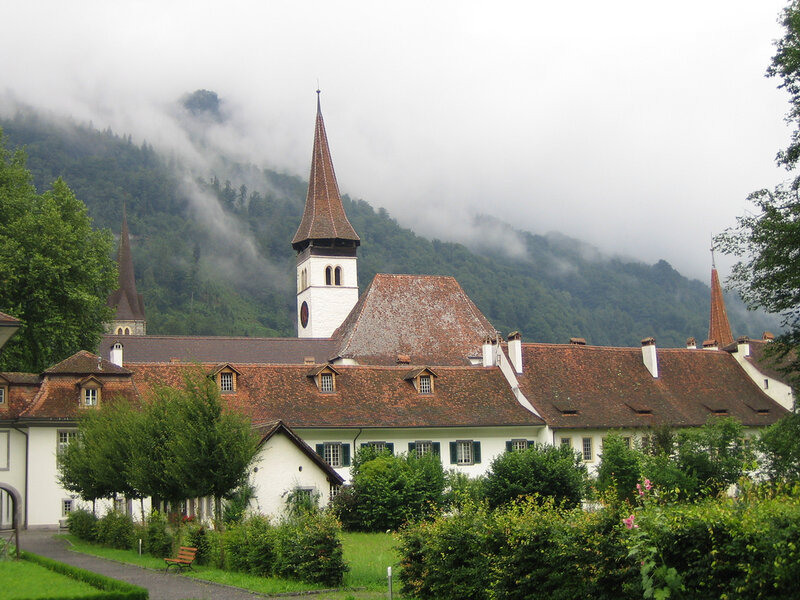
(423,447)
(3,393)
(90,396)
(326,382)
(464,453)
(628,441)
(66,506)
(377,446)
(226,382)
(425,384)
(64,438)
(333,454)
(519,445)
(334,490)
(587,448)
(565,441)
(766,384)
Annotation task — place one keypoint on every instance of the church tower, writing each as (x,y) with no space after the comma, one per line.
(128,305)
(327,273)
(719,329)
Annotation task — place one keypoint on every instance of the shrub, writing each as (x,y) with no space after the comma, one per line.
(116,530)
(388,490)
(309,548)
(449,558)
(82,523)
(620,468)
(158,540)
(195,537)
(234,543)
(541,470)
(261,540)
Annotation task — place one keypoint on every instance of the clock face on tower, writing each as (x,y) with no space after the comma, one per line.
(304,314)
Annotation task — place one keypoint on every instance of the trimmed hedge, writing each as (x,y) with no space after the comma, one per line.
(113,588)
(721,548)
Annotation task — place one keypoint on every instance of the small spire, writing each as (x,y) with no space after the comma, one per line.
(719,327)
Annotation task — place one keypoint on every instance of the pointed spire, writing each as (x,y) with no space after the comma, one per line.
(719,329)
(324,218)
(127,302)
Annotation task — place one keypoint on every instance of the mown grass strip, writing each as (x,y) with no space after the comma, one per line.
(24,579)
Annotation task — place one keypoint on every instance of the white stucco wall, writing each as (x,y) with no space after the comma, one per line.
(493,441)
(12,469)
(328,305)
(45,496)
(777,390)
(282,467)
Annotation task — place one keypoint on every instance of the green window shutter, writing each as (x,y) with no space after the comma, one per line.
(412,447)
(453,454)
(345,455)
(508,446)
(321,450)
(390,447)
(476,452)
(437,448)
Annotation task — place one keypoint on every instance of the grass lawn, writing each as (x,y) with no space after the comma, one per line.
(23,579)
(368,555)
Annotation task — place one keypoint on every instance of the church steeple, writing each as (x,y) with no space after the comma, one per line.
(719,329)
(326,243)
(324,220)
(129,316)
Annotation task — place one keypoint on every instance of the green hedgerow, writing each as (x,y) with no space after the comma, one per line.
(116,530)
(82,523)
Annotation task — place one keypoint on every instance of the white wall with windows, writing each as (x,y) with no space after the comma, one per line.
(469,450)
(328,285)
(12,470)
(589,442)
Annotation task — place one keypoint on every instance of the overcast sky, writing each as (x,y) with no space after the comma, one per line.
(640,127)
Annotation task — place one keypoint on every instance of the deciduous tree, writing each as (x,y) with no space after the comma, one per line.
(57,271)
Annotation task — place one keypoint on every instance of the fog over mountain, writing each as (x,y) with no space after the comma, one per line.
(637,127)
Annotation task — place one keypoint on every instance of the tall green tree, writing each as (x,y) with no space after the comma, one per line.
(779,445)
(620,468)
(767,241)
(56,270)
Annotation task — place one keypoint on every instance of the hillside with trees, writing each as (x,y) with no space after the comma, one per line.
(212,250)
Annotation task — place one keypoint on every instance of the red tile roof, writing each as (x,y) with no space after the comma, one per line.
(364,397)
(429,318)
(610,387)
(85,363)
(324,217)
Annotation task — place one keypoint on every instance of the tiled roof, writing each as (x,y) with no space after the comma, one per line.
(600,387)
(59,396)
(767,365)
(22,388)
(268,430)
(719,329)
(164,348)
(85,363)
(127,302)
(8,320)
(324,217)
(364,397)
(429,318)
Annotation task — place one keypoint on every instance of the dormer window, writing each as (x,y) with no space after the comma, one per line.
(89,395)
(425,385)
(324,377)
(226,377)
(422,378)
(326,382)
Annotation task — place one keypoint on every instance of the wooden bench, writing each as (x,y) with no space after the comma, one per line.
(183,561)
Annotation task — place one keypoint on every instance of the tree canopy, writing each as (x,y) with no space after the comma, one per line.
(57,271)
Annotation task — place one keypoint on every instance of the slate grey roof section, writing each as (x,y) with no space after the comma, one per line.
(212,349)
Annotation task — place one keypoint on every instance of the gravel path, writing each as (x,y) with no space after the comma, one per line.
(162,586)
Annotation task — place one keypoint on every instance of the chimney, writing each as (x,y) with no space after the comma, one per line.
(116,354)
(743,346)
(576,341)
(489,350)
(403,359)
(710,345)
(515,350)
(691,344)
(649,355)
(767,336)
(309,360)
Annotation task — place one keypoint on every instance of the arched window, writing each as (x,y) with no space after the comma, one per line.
(305,279)
(127,331)
(119,330)
(327,275)
(337,276)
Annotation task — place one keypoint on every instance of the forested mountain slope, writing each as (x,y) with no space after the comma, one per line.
(213,255)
